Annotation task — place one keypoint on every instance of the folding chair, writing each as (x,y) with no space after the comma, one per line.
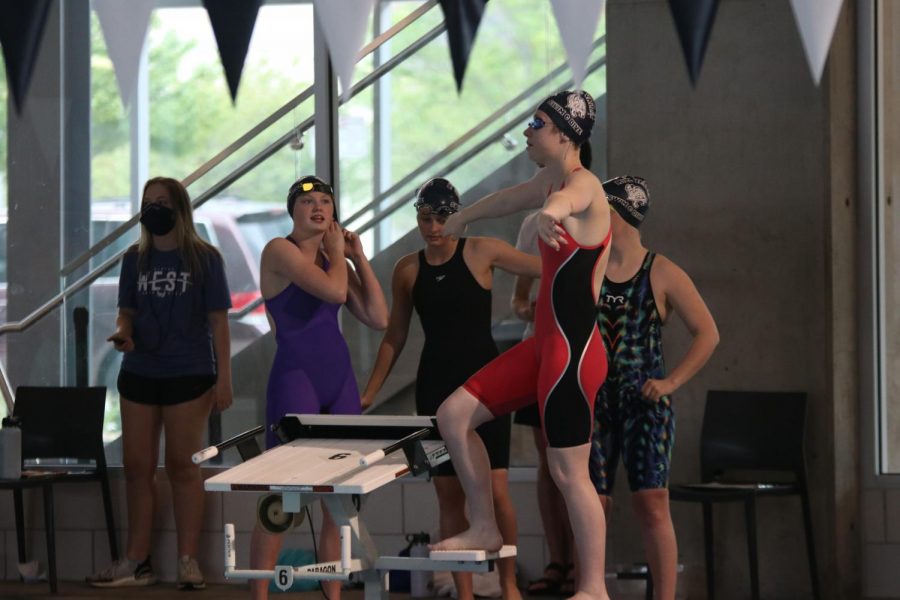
(60,423)
(749,442)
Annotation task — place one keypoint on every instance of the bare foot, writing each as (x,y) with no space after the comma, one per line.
(472,539)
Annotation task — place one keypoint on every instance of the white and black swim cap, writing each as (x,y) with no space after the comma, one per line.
(628,196)
(437,196)
(573,113)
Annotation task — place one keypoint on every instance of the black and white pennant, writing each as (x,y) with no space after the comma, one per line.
(232,22)
(694,22)
(21,28)
(462,18)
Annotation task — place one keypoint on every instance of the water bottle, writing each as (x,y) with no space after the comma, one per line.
(419,581)
(10,449)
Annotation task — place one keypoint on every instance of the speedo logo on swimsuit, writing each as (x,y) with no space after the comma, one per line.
(439,278)
(164,283)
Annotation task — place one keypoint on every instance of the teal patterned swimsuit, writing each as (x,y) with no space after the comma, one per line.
(626,423)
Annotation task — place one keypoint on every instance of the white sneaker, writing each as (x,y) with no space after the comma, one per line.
(189,575)
(124,573)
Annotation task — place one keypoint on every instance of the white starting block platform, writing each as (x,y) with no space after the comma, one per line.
(338,459)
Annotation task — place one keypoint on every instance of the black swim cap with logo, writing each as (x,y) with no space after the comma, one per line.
(437,196)
(573,113)
(304,185)
(629,197)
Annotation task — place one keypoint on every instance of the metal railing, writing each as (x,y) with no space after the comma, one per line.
(428,166)
(404,184)
(44,309)
(253,132)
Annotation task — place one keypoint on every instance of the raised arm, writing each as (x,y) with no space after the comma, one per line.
(285,260)
(365,299)
(523,196)
(677,290)
(502,255)
(397,330)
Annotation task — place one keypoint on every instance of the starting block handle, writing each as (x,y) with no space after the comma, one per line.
(374,457)
(211,451)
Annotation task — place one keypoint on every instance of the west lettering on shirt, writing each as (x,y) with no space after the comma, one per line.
(164,282)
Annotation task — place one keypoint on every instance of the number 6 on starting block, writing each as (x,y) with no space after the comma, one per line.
(284,577)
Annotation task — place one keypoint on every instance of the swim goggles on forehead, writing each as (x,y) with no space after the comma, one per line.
(443,209)
(314,186)
(536,123)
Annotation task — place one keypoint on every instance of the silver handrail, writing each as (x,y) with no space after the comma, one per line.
(222,184)
(455,164)
(226,181)
(251,134)
(468,155)
(271,149)
(42,310)
(461,140)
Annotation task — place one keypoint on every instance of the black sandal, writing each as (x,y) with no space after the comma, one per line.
(548,585)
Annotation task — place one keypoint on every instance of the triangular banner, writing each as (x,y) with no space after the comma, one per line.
(124,26)
(694,21)
(344,23)
(577,22)
(21,27)
(816,20)
(462,18)
(232,23)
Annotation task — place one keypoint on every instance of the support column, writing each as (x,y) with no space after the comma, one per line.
(49,190)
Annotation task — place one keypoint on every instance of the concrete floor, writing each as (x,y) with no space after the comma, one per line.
(219,591)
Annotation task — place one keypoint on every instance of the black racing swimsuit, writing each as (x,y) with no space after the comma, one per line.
(455,312)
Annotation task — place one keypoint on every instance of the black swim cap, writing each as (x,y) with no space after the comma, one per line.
(437,196)
(572,112)
(304,185)
(629,196)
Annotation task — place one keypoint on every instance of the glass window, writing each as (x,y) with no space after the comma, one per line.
(3,137)
(414,124)
(888,220)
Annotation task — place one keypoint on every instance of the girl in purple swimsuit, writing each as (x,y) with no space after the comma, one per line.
(305,279)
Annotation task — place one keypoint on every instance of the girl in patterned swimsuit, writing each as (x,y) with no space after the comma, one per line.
(635,420)
(563,365)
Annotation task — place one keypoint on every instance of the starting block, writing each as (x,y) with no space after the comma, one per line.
(338,459)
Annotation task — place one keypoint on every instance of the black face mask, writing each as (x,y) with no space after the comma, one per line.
(158,219)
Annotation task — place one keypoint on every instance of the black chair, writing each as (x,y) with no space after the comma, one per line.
(749,444)
(60,423)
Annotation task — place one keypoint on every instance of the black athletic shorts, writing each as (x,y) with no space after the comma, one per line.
(163,391)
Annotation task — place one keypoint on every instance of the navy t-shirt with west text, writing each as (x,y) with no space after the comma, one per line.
(171,327)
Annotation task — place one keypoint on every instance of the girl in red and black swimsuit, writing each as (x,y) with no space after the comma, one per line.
(563,365)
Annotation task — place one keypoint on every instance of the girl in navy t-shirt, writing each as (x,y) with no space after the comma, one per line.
(172,326)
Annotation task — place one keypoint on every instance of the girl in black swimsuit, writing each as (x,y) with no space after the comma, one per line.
(449,285)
